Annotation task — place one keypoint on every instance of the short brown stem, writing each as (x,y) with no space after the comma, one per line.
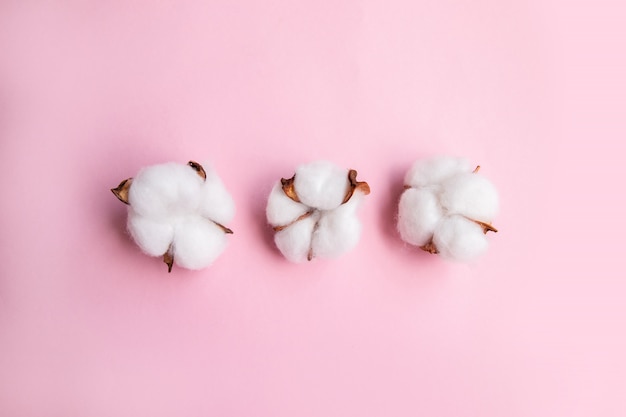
(430,247)
(168,259)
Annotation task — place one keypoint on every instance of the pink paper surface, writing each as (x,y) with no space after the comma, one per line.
(533,91)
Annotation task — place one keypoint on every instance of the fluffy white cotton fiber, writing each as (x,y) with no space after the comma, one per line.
(321,185)
(338,230)
(153,236)
(459,238)
(314,213)
(470,194)
(447,208)
(420,213)
(197,242)
(431,172)
(282,210)
(179,212)
(295,241)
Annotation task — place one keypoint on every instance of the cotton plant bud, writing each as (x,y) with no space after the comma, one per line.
(178,211)
(314,212)
(447,208)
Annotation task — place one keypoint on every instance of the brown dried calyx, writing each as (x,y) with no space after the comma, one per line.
(122,192)
(288,186)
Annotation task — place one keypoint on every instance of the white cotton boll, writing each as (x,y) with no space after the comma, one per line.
(197,243)
(429,172)
(281,210)
(419,213)
(321,185)
(309,214)
(460,239)
(471,195)
(179,212)
(216,202)
(447,209)
(294,242)
(338,231)
(165,190)
(153,237)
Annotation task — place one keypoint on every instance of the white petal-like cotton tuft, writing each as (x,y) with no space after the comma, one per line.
(320,219)
(166,190)
(338,231)
(295,241)
(471,195)
(431,172)
(216,202)
(447,208)
(419,213)
(461,239)
(153,236)
(321,185)
(197,243)
(176,211)
(282,210)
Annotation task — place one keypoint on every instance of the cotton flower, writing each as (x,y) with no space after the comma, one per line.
(178,211)
(314,212)
(447,208)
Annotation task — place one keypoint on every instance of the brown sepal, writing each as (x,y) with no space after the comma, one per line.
(224,228)
(121,192)
(302,217)
(198,168)
(168,258)
(486,226)
(430,247)
(289,188)
(355,185)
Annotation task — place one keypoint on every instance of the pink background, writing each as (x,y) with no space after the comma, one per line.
(91,91)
